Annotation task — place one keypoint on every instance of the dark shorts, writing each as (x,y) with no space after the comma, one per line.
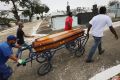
(5,72)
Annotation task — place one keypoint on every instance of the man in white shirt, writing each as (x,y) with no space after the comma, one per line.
(97,25)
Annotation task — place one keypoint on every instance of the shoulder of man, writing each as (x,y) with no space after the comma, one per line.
(108,17)
(4,45)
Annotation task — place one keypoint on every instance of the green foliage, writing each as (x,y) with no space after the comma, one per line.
(6,1)
(15,12)
(26,13)
(39,9)
(5,21)
(31,7)
(46,9)
(4,14)
(113,2)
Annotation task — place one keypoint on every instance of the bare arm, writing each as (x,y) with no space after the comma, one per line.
(28,36)
(17,46)
(113,31)
(89,27)
(20,61)
(13,58)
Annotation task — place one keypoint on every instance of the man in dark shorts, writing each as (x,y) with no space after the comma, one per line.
(6,53)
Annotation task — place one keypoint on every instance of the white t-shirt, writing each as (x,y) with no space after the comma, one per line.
(98,23)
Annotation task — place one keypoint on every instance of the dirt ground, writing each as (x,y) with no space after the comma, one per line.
(68,67)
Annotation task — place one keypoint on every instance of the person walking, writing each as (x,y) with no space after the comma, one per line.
(68,26)
(20,38)
(6,53)
(68,22)
(97,25)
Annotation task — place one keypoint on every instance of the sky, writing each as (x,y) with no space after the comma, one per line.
(55,5)
(61,4)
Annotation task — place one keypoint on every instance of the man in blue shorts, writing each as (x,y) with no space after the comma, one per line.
(6,53)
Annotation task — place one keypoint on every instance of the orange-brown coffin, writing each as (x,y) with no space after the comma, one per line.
(56,40)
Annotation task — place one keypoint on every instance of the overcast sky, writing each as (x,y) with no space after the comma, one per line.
(61,4)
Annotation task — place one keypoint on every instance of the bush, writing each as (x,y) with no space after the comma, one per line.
(5,21)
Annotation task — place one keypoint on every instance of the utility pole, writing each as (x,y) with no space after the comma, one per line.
(117,7)
(68,7)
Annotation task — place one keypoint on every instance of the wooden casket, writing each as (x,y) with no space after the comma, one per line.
(56,40)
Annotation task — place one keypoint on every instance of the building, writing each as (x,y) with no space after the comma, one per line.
(114,9)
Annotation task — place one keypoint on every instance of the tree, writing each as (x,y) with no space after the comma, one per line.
(30,7)
(113,2)
(26,13)
(33,7)
(46,9)
(3,14)
(15,11)
(3,18)
(41,9)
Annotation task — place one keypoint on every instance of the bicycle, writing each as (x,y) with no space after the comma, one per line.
(39,58)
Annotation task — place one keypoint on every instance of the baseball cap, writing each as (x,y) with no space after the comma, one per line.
(11,37)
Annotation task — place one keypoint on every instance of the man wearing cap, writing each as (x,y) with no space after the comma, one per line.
(6,53)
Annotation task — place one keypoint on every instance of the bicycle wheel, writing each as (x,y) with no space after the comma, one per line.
(44,69)
(79,52)
(71,47)
(40,58)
